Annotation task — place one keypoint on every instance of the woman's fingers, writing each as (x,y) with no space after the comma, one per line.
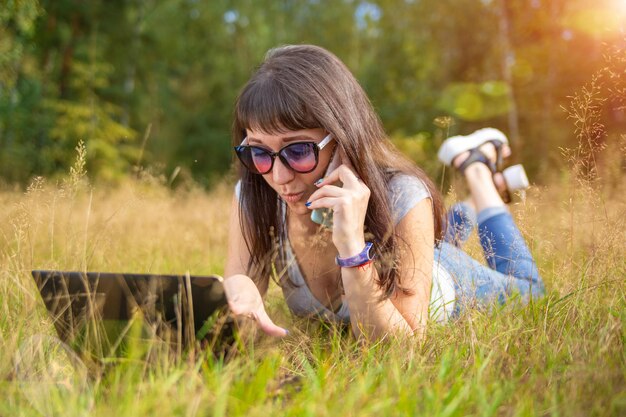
(244,300)
(325,202)
(326,191)
(261,318)
(344,174)
(267,325)
(353,191)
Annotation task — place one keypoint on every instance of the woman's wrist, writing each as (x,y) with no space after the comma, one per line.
(360,260)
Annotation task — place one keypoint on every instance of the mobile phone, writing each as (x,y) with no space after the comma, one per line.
(324,216)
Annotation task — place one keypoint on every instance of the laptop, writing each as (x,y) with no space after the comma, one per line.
(100,314)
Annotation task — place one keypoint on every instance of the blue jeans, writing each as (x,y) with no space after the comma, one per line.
(511,270)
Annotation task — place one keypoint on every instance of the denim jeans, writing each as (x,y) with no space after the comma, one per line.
(511,270)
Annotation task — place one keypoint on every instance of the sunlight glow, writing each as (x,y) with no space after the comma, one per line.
(598,22)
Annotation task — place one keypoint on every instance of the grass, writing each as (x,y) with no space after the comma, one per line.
(564,355)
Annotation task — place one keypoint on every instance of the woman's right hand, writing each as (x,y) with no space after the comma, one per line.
(244,299)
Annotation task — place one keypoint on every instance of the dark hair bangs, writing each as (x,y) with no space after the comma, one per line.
(268,106)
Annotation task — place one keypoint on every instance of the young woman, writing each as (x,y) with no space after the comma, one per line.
(308,139)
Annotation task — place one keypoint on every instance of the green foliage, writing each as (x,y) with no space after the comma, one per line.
(475,102)
(17,18)
(419,149)
(102,71)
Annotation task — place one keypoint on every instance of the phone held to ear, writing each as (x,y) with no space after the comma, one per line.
(324,216)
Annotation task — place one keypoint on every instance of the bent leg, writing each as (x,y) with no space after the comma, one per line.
(506,251)
(478,286)
(513,269)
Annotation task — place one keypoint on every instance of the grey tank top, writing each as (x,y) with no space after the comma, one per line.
(404,193)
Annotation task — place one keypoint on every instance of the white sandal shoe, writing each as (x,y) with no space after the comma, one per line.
(456,145)
(515,177)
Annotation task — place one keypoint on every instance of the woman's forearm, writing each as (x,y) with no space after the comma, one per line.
(369,316)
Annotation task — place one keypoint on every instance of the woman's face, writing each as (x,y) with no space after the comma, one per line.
(292,187)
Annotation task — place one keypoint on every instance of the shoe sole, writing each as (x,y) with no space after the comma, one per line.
(515,178)
(456,145)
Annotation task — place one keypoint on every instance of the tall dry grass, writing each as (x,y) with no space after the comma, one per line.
(564,355)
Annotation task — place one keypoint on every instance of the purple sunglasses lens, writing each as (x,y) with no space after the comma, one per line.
(261,160)
(301,157)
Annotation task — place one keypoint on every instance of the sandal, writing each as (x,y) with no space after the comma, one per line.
(514,176)
(456,145)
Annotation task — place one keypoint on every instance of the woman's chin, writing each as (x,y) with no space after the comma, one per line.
(299,208)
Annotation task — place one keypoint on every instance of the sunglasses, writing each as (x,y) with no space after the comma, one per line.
(301,157)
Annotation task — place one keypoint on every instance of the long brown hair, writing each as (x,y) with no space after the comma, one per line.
(304,87)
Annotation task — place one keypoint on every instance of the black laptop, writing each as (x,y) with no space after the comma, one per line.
(97,313)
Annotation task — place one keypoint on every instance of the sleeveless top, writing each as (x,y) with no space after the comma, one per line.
(404,193)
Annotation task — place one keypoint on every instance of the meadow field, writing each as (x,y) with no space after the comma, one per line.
(564,355)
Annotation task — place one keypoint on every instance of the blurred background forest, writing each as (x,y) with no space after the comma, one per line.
(147,83)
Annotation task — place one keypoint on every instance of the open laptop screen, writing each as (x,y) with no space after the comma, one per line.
(96,310)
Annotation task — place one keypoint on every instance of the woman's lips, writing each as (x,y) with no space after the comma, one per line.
(292,198)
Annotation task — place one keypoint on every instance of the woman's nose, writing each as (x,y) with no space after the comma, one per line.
(281,174)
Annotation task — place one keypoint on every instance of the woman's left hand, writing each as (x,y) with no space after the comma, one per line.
(349,205)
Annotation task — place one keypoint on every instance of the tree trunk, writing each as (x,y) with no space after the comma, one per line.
(508,60)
